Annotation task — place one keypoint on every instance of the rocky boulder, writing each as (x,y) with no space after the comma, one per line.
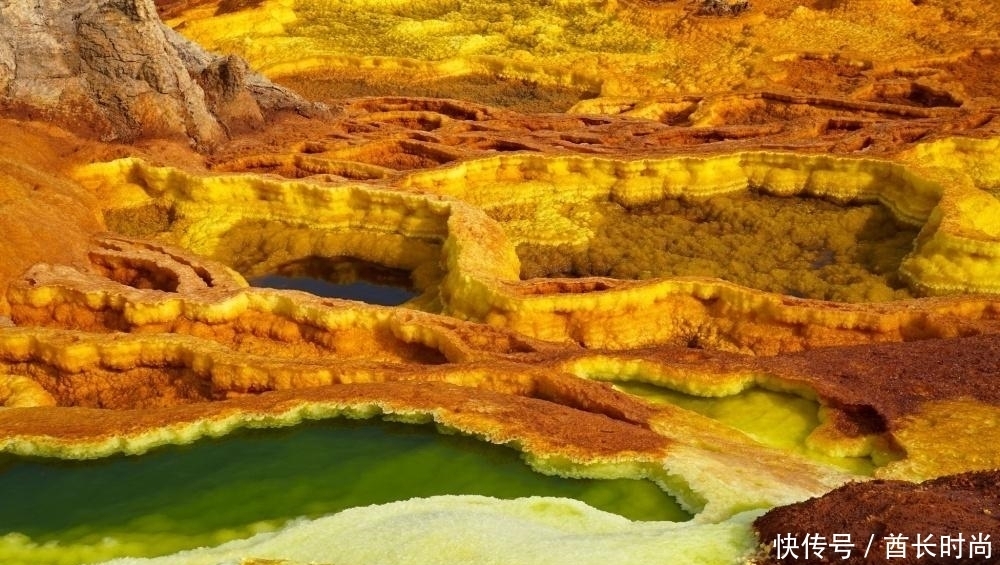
(112,69)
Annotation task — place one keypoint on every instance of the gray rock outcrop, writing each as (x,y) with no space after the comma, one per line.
(111,68)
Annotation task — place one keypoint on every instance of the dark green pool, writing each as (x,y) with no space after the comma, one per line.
(372,293)
(215,490)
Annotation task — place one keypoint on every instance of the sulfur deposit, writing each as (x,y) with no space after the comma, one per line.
(729,273)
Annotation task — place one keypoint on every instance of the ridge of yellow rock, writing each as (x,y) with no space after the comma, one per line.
(961,236)
(22,392)
(634,182)
(945,438)
(255,224)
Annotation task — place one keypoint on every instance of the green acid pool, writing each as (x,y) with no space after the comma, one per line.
(212,491)
(775,419)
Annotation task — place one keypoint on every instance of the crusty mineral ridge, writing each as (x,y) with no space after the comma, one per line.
(114,69)
(199,344)
(456,228)
(477,529)
(323,358)
(963,506)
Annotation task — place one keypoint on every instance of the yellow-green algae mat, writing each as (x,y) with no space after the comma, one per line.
(275,484)
(776,419)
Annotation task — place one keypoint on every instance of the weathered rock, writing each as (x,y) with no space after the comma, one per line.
(113,69)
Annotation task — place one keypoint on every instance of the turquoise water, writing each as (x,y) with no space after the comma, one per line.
(214,490)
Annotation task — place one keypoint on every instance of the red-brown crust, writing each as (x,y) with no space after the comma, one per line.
(967,504)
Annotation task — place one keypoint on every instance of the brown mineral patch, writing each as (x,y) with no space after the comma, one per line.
(515,94)
(230,6)
(172,8)
(822,74)
(43,215)
(539,426)
(893,380)
(386,130)
(169,9)
(966,505)
(980,71)
(921,409)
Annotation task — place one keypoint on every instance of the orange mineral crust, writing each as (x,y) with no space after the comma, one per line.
(536,426)
(42,213)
